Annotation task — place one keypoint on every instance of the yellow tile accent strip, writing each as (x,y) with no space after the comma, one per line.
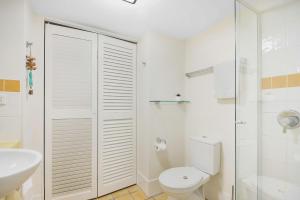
(266,83)
(1,85)
(9,85)
(12,85)
(279,82)
(284,81)
(294,80)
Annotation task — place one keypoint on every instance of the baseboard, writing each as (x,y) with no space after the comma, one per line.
(150,187)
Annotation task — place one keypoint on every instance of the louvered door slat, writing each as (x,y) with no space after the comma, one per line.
(70,114)
(117,115)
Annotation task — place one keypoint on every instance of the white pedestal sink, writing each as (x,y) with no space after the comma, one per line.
(16,166)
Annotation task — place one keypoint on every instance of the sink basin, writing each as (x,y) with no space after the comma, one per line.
(16,166)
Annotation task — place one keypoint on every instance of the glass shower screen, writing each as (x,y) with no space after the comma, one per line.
(247,98)
(267,100)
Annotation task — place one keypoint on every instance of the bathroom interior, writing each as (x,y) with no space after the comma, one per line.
(150,99)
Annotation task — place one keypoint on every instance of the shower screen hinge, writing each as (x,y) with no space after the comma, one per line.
(232,193)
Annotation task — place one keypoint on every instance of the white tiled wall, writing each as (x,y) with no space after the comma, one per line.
(281,41)
(12,50)
(281,56)
(280,151)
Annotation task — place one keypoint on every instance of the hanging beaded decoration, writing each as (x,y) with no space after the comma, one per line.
(30,66)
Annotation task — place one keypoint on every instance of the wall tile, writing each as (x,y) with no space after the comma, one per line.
(281,63)
(293,94)
(274,168)
(266,83)
(9,85)
(274,95)
(279,82)
(270,126)
(294,80)
(1,85)
(293,31)
(274,148)
(12,85)
(12,106)
(10,128)
(294,146)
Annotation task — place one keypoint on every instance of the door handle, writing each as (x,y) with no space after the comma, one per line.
(240,122)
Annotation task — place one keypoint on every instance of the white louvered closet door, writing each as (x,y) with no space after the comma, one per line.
(70,114)
(116,115)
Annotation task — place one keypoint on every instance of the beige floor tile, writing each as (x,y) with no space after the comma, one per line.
(138,195)
(120,193)
(134,188)
(106,197)
(124,197)
(162,196)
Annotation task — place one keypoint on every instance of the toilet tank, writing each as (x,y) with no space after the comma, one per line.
(205,154)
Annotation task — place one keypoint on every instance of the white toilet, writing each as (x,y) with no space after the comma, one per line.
(186,182)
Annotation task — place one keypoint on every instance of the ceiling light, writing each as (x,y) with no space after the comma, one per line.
(130,1)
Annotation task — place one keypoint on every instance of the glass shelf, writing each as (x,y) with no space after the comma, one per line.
(169,101)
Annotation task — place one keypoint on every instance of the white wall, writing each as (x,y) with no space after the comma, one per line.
(205,115)
(161,78)
(33,105)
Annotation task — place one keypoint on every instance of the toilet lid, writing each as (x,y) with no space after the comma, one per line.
(182,177)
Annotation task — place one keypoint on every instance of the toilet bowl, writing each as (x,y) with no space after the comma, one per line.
(185,183)
(182,182)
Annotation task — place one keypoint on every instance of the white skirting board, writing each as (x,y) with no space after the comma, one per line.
(150,187)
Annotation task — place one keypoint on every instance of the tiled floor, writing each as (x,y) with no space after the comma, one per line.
(132,193)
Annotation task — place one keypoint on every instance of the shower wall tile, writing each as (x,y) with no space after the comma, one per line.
(293,156)
(274,148)
(280,41)
(266,83)
(294,80)
(274,168)
(279,82)
(293,95)
(272,107)
(278,95)
(280,91)
(293,175)
(270,127)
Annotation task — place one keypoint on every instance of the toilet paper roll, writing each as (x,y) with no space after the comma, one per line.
(160,147)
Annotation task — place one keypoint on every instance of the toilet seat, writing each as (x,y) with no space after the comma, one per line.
(182,179)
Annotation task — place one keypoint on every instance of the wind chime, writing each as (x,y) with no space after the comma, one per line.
(30,66)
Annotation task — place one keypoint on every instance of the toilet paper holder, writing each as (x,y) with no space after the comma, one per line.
(160,140)
(160,144)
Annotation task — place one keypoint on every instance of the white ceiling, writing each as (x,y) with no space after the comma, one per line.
(264,5)
(178,18)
